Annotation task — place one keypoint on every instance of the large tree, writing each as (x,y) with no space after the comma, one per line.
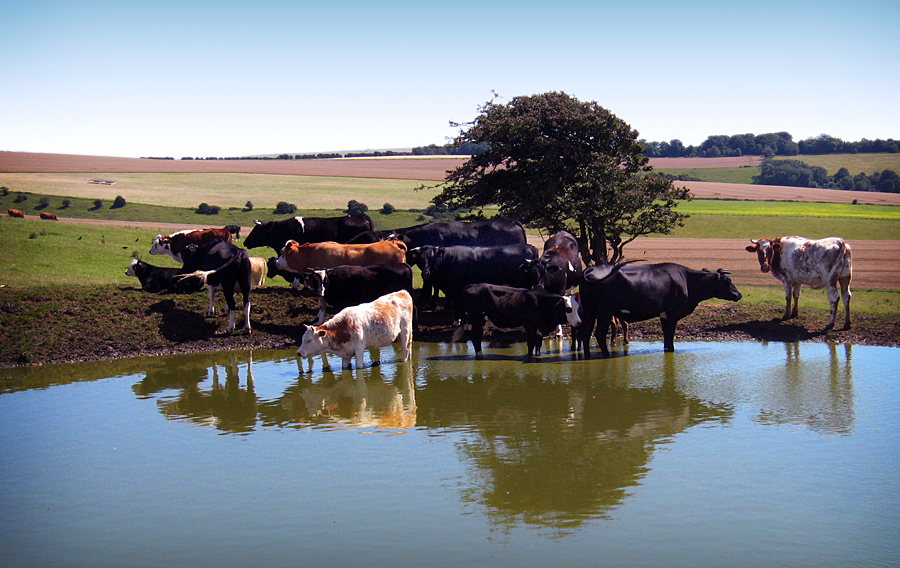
(557,163)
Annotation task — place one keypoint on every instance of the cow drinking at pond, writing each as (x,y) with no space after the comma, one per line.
(797,261)
(640,292)
(538,311)
(367,326)
(344,286)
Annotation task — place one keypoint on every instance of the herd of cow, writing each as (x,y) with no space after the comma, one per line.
(484,268)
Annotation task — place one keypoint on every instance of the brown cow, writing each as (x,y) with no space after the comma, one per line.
(176,243)
(16,213)
(49,217)
(299,258)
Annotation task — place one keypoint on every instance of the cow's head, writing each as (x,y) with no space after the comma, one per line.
(724,287)
(314,342)
(316,281)
(573,309)
(258,235)
(765,250)
(290,247)
(161,245)
(426,257)
(547,272)
(132,268)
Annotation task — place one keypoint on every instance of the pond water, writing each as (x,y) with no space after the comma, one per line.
(720,454)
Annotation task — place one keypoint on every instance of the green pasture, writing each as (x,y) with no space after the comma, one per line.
(225,190)
(720,175)
(855,163)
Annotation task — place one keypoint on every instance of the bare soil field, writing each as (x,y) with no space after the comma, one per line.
(412,168)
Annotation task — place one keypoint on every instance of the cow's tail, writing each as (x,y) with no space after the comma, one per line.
(458,332)
(612,269)
(203,275)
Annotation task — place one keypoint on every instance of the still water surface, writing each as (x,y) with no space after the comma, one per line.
(721,454)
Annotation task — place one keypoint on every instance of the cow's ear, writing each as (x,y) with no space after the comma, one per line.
(776,246)
(439,252)
(751,248)
(321,332)
(552,268)
(257,222)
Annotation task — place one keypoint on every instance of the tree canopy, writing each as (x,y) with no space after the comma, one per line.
(557,163)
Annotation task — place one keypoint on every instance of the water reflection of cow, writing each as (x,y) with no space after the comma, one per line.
(353,400)
(226,406)
(812,392)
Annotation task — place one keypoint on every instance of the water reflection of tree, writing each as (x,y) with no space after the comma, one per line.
(552,452)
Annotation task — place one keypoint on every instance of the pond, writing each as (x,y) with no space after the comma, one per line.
(720,454)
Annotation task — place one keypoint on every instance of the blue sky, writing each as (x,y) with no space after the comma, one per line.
(224,78)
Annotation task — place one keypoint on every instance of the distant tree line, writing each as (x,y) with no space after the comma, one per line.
(799,174)
(768,145)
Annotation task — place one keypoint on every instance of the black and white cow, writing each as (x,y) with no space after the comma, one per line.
(274,234)
(640,292)
(558,270)
(155,279)
(218,266)
(451,269)
(537,310)
(344,286)
(272,271)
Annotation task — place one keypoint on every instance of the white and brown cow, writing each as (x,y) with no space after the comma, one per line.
(299,258)
(367,326)
(175,244)
(797,261)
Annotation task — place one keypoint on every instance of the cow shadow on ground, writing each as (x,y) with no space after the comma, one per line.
(774,329)
(179,324)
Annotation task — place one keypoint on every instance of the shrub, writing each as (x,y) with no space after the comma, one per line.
(285,208)
(119,202)
(66,203)
(98,204)
(248,206)
(20,198)
(387,209)
(43,203)
(354,207)
(206,209)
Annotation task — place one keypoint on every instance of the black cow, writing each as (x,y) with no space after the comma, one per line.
(272,271)
(155,279)
(274,234)
(450,269)
(344,286)
(636,293)
(218,265)
(538,311)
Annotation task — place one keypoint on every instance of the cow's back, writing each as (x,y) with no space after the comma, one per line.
(815,263)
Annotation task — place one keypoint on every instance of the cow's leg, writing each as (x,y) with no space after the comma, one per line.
(321,314)
(406,340)
(211,309)
(584,333)
(787,300)
(668,329)
(477,325)
(247,312)
(534,339)
(845,294)
(359,357)
(345,363)
(795,292)
(232,307)
(602,328)
(624,325)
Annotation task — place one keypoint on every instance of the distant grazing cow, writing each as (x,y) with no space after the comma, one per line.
(538,311)
(798,261)
(344,286)
(49,216)
(636,293)
(235,230)
(16,213)
(300,258)
(154,279)
(174,244)
(218,265)
(367,326)
(451,269)
(274,234)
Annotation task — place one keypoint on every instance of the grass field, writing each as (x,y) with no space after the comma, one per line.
(855,163)
(721,175)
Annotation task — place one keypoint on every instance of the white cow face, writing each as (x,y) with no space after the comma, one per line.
(130,270)
(572,309)
(312,343)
